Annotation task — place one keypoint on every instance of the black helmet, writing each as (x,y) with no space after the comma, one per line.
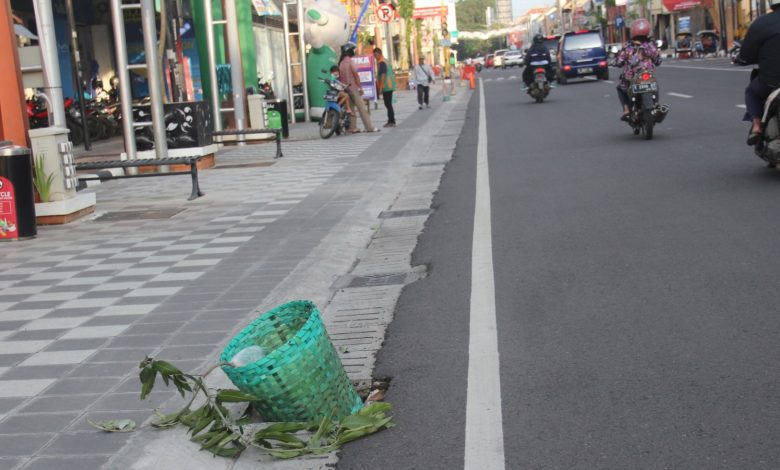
(538,39)
(348,49)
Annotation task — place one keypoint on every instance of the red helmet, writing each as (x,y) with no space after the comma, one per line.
(640,28)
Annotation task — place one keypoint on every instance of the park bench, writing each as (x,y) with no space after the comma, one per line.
(106,164)
(245,132)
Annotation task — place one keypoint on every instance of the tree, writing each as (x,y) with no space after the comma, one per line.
(406,11)
(471,17)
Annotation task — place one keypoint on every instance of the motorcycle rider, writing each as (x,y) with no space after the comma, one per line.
(761,46)
(537,54)
(638,54)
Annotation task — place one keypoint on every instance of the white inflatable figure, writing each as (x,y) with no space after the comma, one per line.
(326,23)
(326,28)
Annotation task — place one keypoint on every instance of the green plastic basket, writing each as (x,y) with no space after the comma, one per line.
(301,378)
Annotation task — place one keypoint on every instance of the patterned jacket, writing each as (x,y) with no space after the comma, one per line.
(635,57)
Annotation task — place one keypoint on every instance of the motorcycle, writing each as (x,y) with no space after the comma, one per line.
(38,116)
(768,146)
(334,119)
(734,51)
(539,88)
(645,112)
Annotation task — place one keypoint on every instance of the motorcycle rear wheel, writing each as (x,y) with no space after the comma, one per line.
(647,124)
(329,123)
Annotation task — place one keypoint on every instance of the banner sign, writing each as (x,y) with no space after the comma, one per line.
(684,24)
(365,68)
(430,12)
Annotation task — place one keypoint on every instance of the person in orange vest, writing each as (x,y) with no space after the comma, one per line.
(385,84)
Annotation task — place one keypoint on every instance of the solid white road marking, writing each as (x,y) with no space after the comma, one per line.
(679,95)
(500,78)
(609,81)
(512,77)
(488,79)
(741,106)
(735,69)
(484,426)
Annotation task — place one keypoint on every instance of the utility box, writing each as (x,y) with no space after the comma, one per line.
(50,145)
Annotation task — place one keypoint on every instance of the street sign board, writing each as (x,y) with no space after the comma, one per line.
(684,24)
(385,13)
(430,12)
(365,69)
(619,22)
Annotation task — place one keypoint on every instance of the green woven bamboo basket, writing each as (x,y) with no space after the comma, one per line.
(301,378)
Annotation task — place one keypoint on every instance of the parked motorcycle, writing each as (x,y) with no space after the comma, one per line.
(734,51)
(38,116)
(334,119)
(539,88)
(646,112)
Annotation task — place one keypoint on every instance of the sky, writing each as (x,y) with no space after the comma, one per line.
(521,6)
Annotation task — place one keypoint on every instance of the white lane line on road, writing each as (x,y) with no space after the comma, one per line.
(484,425)
(500,78)
(741,106)
(609,81)
(735,69)
(679,95)
(512,77)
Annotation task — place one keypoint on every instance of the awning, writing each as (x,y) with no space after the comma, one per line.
(680,5)
(24,32)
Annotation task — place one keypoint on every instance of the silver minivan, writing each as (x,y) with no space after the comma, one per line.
(498,58)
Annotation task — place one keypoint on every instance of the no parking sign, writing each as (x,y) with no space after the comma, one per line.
(385,13)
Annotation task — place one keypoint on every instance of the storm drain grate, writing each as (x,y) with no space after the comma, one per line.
(406,213)
(138,215)
(442,162)
(375,280)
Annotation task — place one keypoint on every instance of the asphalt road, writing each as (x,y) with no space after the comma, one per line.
(636,287)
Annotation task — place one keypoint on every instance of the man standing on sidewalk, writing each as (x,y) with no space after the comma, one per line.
(349,76)
(423,77)
(385,85)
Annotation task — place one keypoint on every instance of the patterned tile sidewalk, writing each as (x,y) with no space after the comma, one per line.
(151,273)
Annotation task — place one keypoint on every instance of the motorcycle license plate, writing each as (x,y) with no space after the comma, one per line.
(644,87)
(585,70)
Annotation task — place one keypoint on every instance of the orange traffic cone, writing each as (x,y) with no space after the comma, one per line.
(472,85)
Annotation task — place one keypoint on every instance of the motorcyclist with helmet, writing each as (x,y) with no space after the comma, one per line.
(761,46)
(637,55)
(535,57)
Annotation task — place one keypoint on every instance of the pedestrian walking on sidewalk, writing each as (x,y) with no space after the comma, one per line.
(423,77)
(385,85)
(349,76)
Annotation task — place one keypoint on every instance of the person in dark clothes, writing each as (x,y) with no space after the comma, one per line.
(385,85)
(761,46)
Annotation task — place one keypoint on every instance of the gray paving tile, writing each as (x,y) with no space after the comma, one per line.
(75,344)
(80,462)
(178,353)
(120,355)
(137,341)
(37,372)
(12,463)
(35,305)
(8,404)
(78,386)
(228,316)
(52,404)
(206,325)
(111,320)
(12,359)
(198,338)
(168,317)
(11,325)
(86,443)
(35,334)
(132,401)
(71,312)
(36,423)
(23,444)
(108,369)
(152,328)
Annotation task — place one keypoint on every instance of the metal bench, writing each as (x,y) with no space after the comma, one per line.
(105,164)
(277,132)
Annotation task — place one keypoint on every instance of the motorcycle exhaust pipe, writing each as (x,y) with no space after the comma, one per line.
(660,113)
